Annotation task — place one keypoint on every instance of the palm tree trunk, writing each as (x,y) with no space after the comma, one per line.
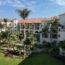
(24,31)
(24,40)
(24,51)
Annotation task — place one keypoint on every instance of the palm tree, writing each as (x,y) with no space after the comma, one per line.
(27,44)
(24,14)
(54,28)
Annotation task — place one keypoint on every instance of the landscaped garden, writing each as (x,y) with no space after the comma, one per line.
(34,59)
(22,48)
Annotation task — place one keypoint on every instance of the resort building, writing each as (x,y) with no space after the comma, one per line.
(41,27)
(35,26)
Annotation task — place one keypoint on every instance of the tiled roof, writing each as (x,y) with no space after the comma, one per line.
(33,20)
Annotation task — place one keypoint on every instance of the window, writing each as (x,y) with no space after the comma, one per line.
(59,29)
(62,27)
(38,37)
(54,36)
(15,30)
(15,27)
(37,26)
(58,35)
(15,24)
(10,24)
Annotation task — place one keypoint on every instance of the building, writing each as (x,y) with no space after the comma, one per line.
(34,25)
(8,24)
(41,27)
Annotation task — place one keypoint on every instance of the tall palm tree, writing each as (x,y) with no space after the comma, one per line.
(54,28)
(24,14)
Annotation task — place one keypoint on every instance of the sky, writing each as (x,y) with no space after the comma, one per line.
(39,8)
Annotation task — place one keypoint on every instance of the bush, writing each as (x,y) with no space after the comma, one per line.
(38,46)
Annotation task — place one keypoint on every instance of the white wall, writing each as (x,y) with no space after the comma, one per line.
(62,31)
(62,20)
(62,35)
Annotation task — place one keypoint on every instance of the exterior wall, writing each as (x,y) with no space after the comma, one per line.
(62,20)
(15,25)
(62,35)
(47,39)
(10,24)
(62,51)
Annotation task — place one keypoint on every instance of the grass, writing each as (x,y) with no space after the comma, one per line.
(35,59)
(8,61)
(41,59)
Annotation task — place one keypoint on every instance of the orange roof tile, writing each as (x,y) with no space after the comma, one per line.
(33,20)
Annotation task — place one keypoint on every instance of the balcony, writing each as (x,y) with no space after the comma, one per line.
(54,36)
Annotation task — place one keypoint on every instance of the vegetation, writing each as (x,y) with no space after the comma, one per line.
(54,29)
(8,61)
(41,59)
(35,59)
(62,44)
(27,41)
(24,14)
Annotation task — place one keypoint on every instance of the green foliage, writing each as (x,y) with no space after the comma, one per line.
(55,22)
(62,44)
(27,41)
(24,13)
(4,35)
(5,20)
(1,26)
(55,25)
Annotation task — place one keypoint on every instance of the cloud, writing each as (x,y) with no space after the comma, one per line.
(19,3)
(59,2)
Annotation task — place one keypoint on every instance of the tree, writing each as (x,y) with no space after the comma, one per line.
(3,36)
(5,20)
(24,14)
(62,44)
(27,44)
(14,39)
(1,26)
(54,28)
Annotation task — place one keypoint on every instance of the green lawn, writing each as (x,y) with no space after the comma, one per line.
(41,59)
(8,61)
(37,59)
